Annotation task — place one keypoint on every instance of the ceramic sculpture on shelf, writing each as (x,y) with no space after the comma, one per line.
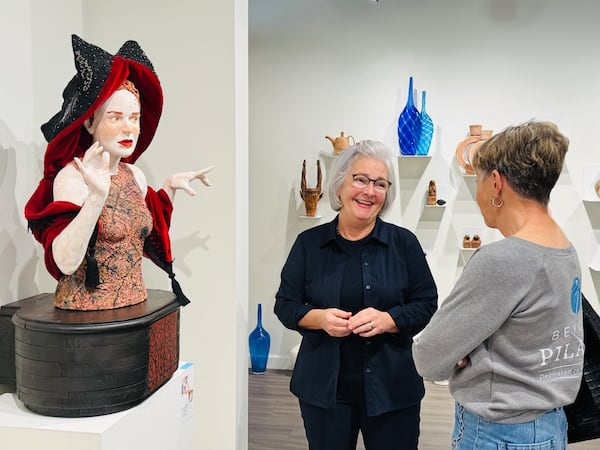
(432,193)
(426,131)
(463,147)
(469,153)
(409,125)
(471,242)
(341,142)
(597,188)
(311,196)
(466,241)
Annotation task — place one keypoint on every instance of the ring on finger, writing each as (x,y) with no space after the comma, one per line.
(372,326)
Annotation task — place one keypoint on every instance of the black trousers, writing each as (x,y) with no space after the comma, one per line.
(338,429)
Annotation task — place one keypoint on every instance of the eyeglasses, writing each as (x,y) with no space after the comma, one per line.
(361,181)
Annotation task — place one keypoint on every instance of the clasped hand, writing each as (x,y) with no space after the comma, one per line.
(366,323)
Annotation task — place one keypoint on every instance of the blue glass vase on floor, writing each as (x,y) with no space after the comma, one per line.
(409,125)
(259,342)
(426,130)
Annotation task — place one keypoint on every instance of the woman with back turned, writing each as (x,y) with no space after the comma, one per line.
(513,320)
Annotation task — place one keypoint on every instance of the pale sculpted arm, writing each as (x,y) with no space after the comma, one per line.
(182,180)
(84,183)
(140,178)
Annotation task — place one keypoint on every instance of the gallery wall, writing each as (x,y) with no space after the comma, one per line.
(199,50)
(321,67)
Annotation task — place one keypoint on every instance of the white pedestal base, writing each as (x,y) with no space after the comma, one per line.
(162,421)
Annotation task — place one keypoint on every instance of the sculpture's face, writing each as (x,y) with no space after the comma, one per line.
(116,124)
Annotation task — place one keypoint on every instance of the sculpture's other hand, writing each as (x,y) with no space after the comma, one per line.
(182,181)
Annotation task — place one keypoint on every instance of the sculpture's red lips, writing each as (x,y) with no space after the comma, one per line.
(126,143)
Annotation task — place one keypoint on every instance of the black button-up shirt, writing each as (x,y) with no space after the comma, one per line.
(396,279)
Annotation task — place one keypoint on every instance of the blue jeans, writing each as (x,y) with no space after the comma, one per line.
(547,432)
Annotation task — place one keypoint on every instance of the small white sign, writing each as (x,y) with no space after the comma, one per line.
(187,391)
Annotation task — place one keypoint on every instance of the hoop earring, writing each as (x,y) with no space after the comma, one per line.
(493,202)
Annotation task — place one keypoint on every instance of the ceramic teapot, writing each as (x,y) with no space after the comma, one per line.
(341,142)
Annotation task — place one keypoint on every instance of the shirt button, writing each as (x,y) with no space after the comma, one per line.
(368,370)
(367,342)
(368,286)
(366,263)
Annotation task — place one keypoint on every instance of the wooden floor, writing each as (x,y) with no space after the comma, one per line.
(274,421)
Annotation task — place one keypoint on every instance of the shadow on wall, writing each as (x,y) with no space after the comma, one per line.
(18,253)
(185,245)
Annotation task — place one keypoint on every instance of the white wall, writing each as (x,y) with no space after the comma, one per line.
(199,50)
(28,67)
(320,67)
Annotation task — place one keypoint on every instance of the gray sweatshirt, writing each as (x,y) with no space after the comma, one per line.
(516,313)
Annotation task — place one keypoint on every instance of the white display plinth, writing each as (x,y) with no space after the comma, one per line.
(162,421)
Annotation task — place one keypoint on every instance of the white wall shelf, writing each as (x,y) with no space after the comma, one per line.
(591,176)
(432,213)
(465,255)
(592,208)
(410,173)
(412,167)
(595,251)
(328,158)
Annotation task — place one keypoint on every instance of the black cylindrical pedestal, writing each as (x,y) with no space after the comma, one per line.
(89,363)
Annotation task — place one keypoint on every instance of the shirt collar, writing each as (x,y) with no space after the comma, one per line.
(380,232)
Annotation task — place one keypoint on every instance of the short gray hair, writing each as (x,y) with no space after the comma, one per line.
(362,149)
(529,155)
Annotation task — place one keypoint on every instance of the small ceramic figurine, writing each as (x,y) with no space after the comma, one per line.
(311,196)
(432,193)
(597,187)
(467,241)
(476,241)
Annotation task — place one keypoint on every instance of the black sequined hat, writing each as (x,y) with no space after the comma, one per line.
(93,65)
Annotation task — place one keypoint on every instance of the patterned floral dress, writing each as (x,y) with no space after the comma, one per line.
(124,224)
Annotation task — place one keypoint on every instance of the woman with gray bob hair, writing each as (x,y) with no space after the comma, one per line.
(362,149)
(357,289)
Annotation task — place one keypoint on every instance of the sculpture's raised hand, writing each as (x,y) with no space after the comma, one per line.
(181,180)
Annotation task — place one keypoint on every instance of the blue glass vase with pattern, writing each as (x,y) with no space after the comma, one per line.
(409,125)
(426,129)
(259,342)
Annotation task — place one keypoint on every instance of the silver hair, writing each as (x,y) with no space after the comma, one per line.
(362,149)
